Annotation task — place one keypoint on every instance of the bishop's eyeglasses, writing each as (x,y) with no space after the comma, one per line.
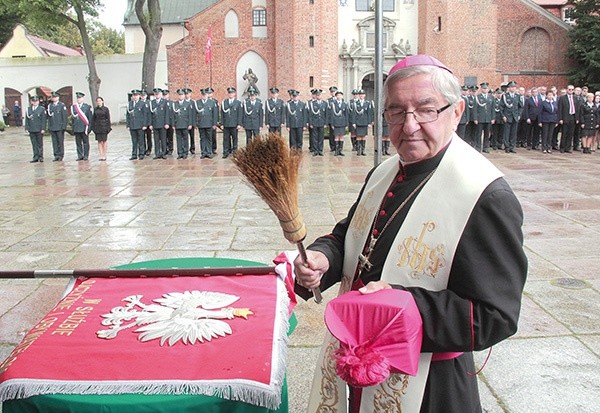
(422,115)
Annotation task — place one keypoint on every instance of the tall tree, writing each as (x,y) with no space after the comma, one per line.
(58,12)
(585,41)
(149,18)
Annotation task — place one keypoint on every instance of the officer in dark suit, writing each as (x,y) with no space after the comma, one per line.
(332,138)
(576,133)
(317,118)
(511,109)
(461,130)
(183,120)
(160,118)
(568,115)
(274,111)
(35,123)
(57,124)
(361,118)
(207,116)
(231,118)
(351,110)
(296,120)
(252,116)
(137,120)
(191,132)
(531,114)
(484,102)
(82,118)
(145,98)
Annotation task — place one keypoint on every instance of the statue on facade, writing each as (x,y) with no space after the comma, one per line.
(252,79)
(398,49)
(407,48)
(354,46)
(344,47)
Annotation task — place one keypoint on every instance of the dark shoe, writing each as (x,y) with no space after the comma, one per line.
(33,161)
(140,158)
(506,150)
(320,153)
(225,156)
(41,160)
(512,151)
(85,159)
(568,152)
(486,151)
(192,151)
(133,158)
(209,156)
(180,157)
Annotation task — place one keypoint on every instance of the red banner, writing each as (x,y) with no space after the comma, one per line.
(208,47)
(64,348)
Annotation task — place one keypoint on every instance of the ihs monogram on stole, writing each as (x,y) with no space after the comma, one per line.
(362,217)
(421,258)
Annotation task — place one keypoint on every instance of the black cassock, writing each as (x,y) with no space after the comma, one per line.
(481,304)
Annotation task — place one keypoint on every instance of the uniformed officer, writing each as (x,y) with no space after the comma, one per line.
(183,121)
(317,119)
(57,124)
(296,120)
(191,132)
(471,128)
(331,136)
(361,118)
(511,109)
(461,129)
(252,116)
(82,118)
(137,122)
(351,110)
(171,130)
(207,116)
(531,114)
(209,93)
(160,116)
(485,114)
(35,123)
(274,111)
(337,118)
(145,97)
(497,122)
(231,118)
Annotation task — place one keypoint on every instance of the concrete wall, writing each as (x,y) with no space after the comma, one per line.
(119,74)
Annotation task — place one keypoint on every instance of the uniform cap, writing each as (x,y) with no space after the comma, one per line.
(274,90)
(318,91)
(511,83)
(484,85)
(165,91)
(333,89)
(187,90)
(498,90)
(56,94)
(379,334)
(418,60)
(355,91)
(503,87)
(230,89)
(157,90)
(251,91)
(360,92)
(339,92)
(203,91)
(473,87)
(79,94)
(133,92)
(209,90)
(294,92)
(34,97)
(464,87)
(181,91)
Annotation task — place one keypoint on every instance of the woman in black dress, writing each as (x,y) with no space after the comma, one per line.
(588,119)
(101,126)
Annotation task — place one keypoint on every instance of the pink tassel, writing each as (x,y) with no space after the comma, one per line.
(361,366)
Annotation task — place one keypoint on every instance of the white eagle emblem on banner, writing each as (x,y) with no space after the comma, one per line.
(191,316)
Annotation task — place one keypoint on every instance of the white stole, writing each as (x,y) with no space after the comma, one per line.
(421,255)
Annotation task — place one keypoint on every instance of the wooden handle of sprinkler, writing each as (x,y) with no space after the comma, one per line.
(316,291)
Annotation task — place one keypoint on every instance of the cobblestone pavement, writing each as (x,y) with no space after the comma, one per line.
(98,214)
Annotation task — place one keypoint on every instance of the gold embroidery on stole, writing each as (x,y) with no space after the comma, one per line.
(420,257)
(389,398)
(361,220)
(329,388)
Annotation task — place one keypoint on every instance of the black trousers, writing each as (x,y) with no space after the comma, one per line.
(317,137)
(533,134)
(138,143)
(160,142)
(296,138)
(547,132)
(37,145)
(82,143)
(205,141)
(230,140)
(483,129)
(58,143)
(510,135)
(566,138)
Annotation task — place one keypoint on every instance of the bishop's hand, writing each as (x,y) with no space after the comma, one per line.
(308,275)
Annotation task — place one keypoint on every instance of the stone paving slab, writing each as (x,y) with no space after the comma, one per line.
(98,214)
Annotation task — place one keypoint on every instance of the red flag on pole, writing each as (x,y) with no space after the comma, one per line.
(208,47)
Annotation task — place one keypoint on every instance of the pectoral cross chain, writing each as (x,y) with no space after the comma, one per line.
(365,264)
